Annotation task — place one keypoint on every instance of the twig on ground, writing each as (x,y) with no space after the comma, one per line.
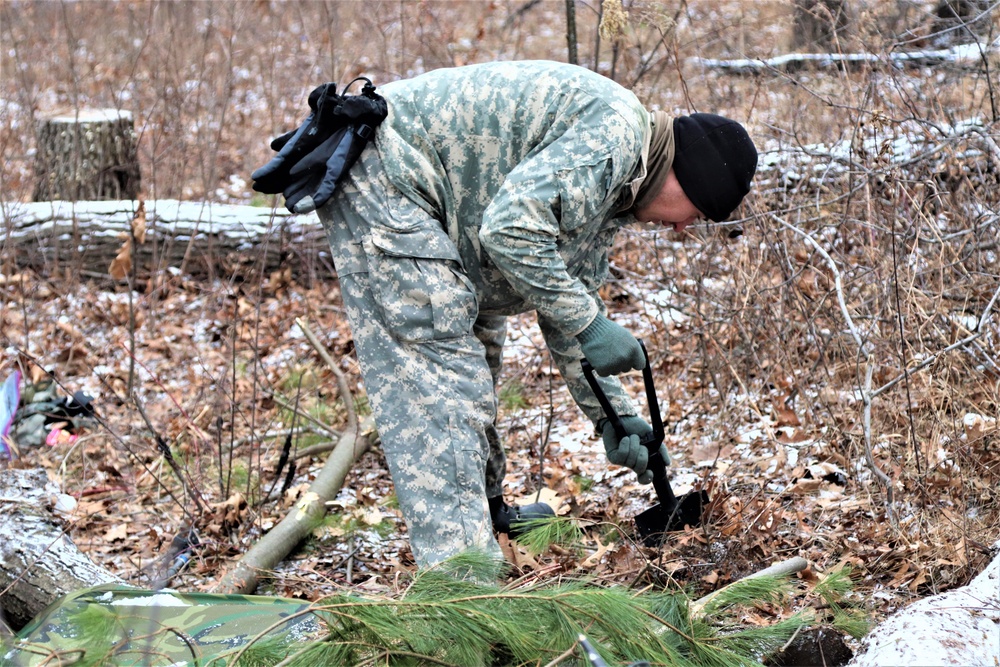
(785,567)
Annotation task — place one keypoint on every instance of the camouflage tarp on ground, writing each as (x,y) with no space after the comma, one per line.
(117,625)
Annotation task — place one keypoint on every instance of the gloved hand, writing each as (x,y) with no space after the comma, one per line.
(610,348)
(627,451)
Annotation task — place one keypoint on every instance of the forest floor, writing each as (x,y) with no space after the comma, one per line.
(221,371)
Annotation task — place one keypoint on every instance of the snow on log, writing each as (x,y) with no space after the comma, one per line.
(199,238)
(38,562)
(959,627)
(964,56)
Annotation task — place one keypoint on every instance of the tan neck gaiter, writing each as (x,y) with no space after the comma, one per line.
(659,161)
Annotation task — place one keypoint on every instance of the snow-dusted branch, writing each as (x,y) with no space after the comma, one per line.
(964,55)
(838,284)
(866,395)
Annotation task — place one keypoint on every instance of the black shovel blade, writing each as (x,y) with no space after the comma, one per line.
(658,519)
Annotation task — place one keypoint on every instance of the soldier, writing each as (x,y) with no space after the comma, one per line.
(491,190)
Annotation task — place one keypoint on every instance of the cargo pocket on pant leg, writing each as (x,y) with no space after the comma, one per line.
(419,285)
(470,479)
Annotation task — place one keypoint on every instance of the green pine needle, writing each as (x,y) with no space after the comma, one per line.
(448,621)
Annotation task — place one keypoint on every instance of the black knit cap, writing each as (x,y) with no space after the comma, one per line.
(714,161)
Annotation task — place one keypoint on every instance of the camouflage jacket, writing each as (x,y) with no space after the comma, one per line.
(528,164)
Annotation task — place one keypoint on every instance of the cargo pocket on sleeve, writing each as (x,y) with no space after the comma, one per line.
(419,285)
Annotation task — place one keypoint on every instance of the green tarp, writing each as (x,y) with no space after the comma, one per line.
(118,625)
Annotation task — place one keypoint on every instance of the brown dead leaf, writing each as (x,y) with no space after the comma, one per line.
(918,580)
(139,223)
(594,559)
(806,485)
(901,575)
(786,417)
(707,453)
(121,265)
(516,554)
(119,532)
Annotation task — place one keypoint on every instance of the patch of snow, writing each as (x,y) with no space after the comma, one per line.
(959,627)
(572,439)
(156,600)
(94,116)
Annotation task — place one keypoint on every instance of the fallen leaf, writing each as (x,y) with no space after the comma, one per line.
(371,516)
(121,265)
(594,559)
(139,223)
(119,532)
(786,417)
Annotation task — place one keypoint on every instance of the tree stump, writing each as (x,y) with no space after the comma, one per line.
(90,155)
(961,22)
(819,23)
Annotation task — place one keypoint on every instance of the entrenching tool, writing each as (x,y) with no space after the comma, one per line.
(671,513)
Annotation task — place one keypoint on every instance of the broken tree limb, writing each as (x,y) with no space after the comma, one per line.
(198,238)
(779,569)
(301,520)
(38,562)
(310,509)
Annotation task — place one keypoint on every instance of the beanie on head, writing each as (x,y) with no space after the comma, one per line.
(714,161)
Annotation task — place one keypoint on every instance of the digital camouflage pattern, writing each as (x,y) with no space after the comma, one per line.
(156,628)
(489,190)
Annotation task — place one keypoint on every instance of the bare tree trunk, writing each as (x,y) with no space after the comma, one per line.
(571,41)
(818,24)
(38,563)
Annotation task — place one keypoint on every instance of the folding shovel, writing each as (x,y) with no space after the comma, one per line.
(671,513)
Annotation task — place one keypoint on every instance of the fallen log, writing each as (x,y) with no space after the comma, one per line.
(970,57)
(958,627)
(38,562)
(203,239)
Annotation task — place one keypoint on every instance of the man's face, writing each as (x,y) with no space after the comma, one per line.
(671,208)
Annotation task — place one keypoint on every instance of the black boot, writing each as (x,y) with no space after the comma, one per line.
(510,520)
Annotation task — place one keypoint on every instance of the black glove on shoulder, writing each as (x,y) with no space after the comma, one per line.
(312,159)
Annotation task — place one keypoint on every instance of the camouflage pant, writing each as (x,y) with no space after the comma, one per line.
(414,316)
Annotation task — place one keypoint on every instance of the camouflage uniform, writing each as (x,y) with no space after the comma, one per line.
(489,190)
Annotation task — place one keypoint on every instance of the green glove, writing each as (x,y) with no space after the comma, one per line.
(610,348)
(627,451)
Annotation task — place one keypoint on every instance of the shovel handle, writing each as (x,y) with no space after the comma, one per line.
(650,441)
